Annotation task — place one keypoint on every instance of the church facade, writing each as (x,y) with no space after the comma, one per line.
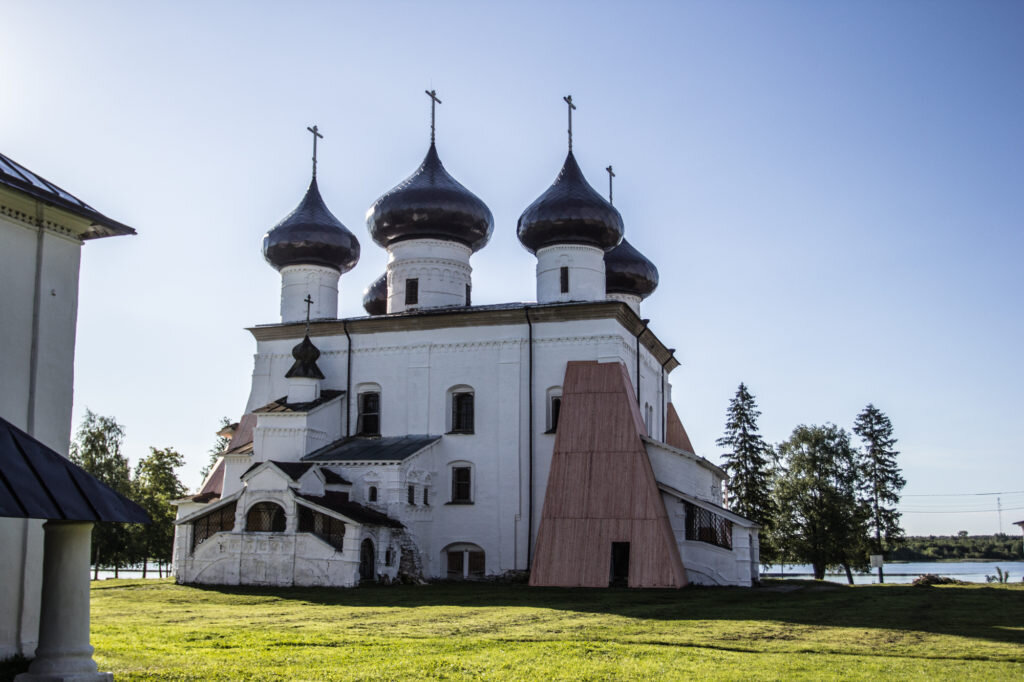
(436,439)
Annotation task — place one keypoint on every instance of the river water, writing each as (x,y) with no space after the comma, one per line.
(968,571)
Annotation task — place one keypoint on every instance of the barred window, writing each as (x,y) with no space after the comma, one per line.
(703,525)
(265,517)
(462,412)
(218,520)
(327,528)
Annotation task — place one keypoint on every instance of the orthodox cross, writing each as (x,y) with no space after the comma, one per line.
(433,102)
(316,134)
(568,100)
(309,302)
(611,174)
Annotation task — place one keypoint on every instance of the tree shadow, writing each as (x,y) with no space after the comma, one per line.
(995,614)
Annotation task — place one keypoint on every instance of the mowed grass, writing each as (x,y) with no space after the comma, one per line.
(156,630)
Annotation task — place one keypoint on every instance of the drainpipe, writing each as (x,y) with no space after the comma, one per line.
(664,415)
(645,322)
(348,382)
(529,530)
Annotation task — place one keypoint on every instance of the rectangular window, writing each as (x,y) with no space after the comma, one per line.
(556,409)
(411,494)
(469,297)
(412,291)
(368,423)
(565,279)
(703,525)
(426,498)
(461,488)
(462,413)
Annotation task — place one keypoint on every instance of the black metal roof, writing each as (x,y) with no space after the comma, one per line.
(430,203)
(570,212)
(375,298)
(388,449)
(282,404)
(37,483)
(339,502)
(311,235)
(305,367)
(627,271)
(334,478)
(292,470)
(16,176)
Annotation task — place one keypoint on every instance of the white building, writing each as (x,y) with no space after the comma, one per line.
(42,230)
(419,441)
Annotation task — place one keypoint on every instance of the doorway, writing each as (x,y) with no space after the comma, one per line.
(620,565)
(367,562)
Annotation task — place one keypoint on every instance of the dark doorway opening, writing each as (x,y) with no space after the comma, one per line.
(367,561)
(620,565)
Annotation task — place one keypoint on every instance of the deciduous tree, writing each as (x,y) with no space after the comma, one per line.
(156,484)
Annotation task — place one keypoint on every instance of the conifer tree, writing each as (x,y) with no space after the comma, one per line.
(880,480)
(749,463)
(219,446)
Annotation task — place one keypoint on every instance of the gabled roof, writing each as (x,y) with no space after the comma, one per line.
(37,483)
(292,470)
(213,487)
(389,449)
(339,502)
(17,177)
(332,477)
(241,440)
(282,404)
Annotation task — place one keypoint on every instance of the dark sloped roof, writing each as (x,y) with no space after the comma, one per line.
(335,478)
(282,404)
(16,176)
(390,449)
(292,470)
(339,502)
(37,483)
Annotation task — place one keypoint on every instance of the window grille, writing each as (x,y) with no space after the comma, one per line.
(564,274)
(461,489)
(265,517)
(368,423)
(462,412)
(327,528)
(703,525)
(218,520)
(412,291)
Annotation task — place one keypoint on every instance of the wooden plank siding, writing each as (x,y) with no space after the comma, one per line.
(675,434)
(601,489)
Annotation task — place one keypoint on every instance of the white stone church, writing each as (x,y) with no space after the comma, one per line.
(436,439)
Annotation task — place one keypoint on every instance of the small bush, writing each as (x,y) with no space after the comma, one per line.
(929,579)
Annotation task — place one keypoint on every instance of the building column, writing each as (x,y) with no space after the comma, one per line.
(64,652)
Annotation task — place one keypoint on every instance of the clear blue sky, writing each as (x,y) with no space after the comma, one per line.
(833,192)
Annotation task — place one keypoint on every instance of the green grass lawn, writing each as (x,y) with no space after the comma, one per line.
(159,630)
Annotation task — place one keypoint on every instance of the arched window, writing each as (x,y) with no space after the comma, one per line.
(461,409)
(372,493)
(463,560)
(265,517)
(554,404)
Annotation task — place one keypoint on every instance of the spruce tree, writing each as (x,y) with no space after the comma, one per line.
(749,463)
(880,480)
(219,446)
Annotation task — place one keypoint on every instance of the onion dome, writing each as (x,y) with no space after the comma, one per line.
(305,367)
(311,235)
(375,298)
(570,212)
(430,204)
(627,271)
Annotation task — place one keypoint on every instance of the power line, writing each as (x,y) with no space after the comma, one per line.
(1007,492)
(958,511)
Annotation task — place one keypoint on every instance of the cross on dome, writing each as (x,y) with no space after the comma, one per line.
(316,134)
(568,100)
(433,102)
(611,174)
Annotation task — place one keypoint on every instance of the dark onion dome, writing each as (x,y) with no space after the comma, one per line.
(430,204)
(627,271)
(570,212)
(311,235)
(375,298)
(305,367)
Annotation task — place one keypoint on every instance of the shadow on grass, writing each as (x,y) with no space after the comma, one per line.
(991,613)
